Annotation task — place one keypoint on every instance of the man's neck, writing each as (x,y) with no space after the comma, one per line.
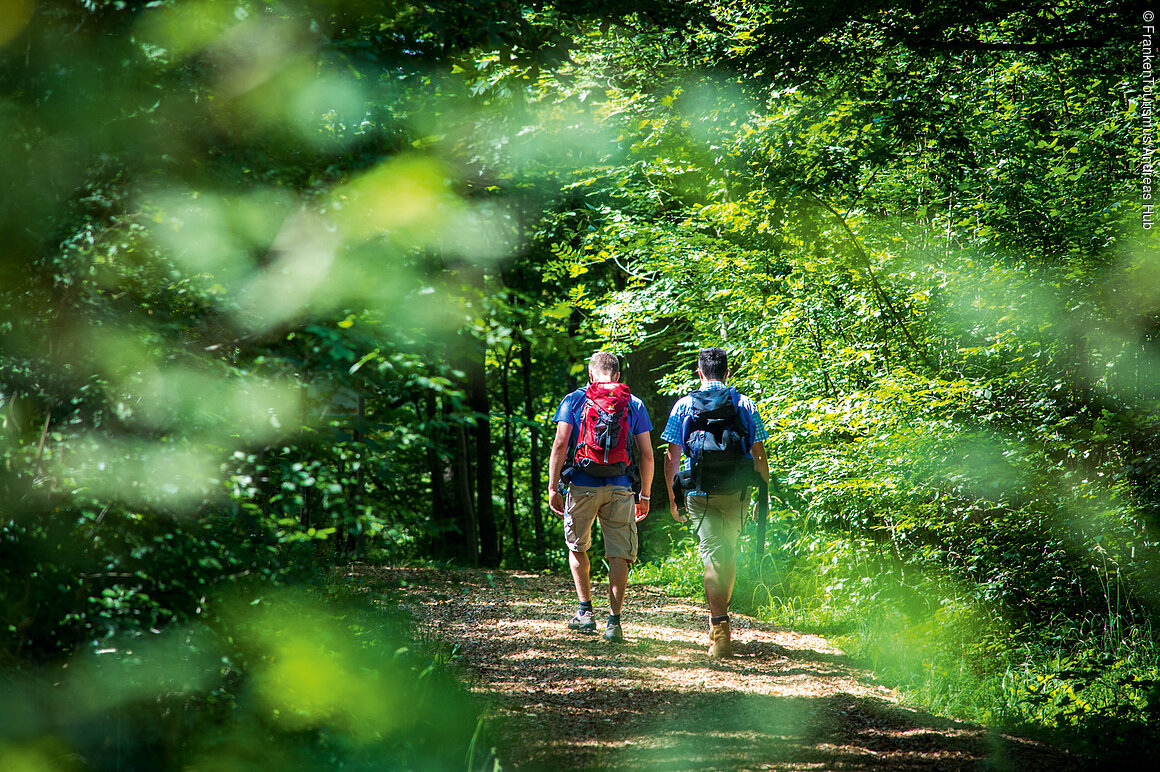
(706,381)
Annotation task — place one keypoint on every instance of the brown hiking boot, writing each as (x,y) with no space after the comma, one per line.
(720,645)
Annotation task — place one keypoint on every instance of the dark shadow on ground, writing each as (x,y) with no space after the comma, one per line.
(735,731)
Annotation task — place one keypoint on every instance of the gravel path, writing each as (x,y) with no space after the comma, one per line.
(564,700)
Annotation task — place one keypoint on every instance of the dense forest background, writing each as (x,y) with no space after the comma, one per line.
(286,285)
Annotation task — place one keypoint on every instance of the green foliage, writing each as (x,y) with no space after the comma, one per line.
(299,679)
(1106,694)
(921,262)
(280,281)
(678,572)
(234,256)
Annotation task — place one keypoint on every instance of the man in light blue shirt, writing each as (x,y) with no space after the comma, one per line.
(717,515)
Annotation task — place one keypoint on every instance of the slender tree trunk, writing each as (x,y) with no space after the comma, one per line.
(469,548)
(509,461)
(885,302)
(460,536)
(817,335)
(537,488)
(442,519)
(348,541)
(480,404)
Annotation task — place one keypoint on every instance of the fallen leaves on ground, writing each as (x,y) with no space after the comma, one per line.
(785,701)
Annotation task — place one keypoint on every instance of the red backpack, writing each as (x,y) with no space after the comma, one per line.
(602,447)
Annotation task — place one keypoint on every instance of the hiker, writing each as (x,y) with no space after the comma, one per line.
(720,433)
(591,474)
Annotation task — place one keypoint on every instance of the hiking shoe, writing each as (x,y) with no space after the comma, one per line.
(720,645)
(584,621)
(612,634)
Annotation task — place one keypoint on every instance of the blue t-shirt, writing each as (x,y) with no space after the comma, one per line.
(569,411)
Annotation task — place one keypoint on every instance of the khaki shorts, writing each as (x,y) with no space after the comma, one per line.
(716,518)
(615,505)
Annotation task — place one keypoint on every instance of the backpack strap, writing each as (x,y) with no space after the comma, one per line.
(745,426)
(633,470)
(570,458)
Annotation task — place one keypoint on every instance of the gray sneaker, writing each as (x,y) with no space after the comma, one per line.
(612,634)
(584,621)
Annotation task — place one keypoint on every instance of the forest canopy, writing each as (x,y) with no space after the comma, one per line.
(285,285)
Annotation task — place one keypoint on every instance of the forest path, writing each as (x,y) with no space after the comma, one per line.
(563,700)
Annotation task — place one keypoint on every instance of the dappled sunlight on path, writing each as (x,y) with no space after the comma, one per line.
(785,701)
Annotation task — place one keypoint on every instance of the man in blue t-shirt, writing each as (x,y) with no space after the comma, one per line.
(611,499)
(716,516)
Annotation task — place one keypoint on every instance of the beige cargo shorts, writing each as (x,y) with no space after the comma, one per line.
(615,505)
(716,518)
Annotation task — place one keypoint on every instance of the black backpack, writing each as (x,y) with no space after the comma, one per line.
(718,444)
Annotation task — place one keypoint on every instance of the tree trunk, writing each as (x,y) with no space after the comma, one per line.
(468,548)
(537,487)
(349,537)
(509,461)
(444,530)
(458,533)
(480,404)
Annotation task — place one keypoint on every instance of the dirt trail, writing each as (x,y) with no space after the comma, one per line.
(564,700)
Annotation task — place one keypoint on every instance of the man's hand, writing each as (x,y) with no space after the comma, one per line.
(556,502)
(672,463)
(642,506)
(556,466)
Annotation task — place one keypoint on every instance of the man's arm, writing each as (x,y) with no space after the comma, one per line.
(644,452)
(556,461)
(760,461)
(672,464)
(757,449)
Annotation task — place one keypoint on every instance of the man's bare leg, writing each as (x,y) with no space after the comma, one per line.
(617,582)
(719,578)
(578,563)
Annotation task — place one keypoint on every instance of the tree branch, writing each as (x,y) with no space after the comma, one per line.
(878,290)
(979,45)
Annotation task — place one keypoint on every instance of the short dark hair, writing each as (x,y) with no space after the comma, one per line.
(604,362)
(714,363)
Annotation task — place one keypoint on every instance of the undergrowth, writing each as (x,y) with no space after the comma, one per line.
(287,678)
(1093,686)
